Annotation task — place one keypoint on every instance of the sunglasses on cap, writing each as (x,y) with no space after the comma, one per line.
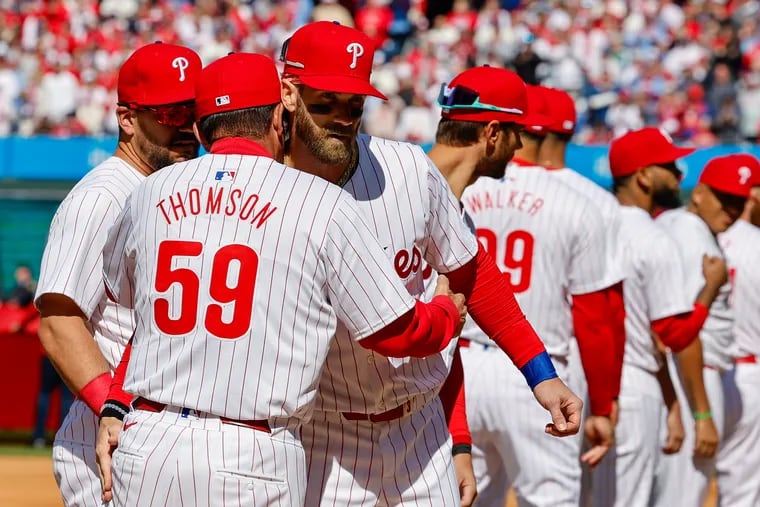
(176,115)
(460,97)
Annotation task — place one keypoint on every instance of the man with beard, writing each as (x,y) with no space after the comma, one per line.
(80,328)
(378,433)
(550,242)
(715,204)
(655,302)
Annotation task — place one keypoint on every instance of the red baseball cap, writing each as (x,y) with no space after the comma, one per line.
(236,81)
(732,174)
(641,148)
(538,110)
(560,108)
(329,56)
(483,94)
(158,74)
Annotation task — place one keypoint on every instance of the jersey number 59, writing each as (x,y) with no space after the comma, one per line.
(518,255)
(219,292)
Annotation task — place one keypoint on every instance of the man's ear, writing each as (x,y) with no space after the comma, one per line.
(278,122)
(491,133)
(126,118)
(289,95)
(644,178)
(698,194)
(200,138)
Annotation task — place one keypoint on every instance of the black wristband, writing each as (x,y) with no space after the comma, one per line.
(113,408)
(461,449)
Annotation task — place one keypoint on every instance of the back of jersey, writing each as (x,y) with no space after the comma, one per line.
(242,267)
(547,238)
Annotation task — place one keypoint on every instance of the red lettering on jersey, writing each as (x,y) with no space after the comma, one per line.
(160,206)
(231,202)
(194,199)
(247,209)
(214,203)
(427,272)
(407,263)
(178,205)
(473,204)
(535,207)
(263,215)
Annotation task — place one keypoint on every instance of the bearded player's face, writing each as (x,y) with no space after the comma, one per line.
(666,185)
(161,145)
(327,123)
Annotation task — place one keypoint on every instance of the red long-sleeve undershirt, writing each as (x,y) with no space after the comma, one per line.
(594,334)
(453,400)
(117,392)
(615,300)
(492,305)
(678,331)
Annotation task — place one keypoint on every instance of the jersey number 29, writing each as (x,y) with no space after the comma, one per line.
(240,293)
(518,255)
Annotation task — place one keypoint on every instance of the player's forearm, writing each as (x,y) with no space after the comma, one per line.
(597,349)
(119,401)
(615,301)
(492,305)
(666,385)
(678,331)
(453,400)
(691,367)
(423,331)
(707,295)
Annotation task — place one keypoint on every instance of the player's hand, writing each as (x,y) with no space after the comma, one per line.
(600,433)
(676,432)
(714,270)
(442,289)
(706,438)
(564,406)
(108,439)
(465,478)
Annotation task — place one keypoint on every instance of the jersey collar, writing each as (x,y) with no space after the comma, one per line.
(523,163)
(238,146)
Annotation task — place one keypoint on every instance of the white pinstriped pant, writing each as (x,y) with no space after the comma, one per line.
(406,461)
(167,459)
(74,466)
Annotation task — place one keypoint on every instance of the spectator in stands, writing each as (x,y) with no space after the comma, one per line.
(22,294)
(50,381)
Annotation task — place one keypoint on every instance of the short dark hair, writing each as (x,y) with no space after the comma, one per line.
(561,136)
(462,133)
(620,182)
(253,122)
(527,134)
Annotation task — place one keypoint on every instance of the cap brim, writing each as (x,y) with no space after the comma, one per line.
(674,154)
(341,84)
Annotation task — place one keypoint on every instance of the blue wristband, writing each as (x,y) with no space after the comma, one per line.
(538,369)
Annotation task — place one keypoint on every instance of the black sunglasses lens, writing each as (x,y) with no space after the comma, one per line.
(457,96)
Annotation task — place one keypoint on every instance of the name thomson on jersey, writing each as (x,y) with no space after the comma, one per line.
(215,201)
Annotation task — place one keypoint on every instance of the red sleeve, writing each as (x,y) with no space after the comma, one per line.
(678,331)
(617,321)
(117,384)
(492,305)
(423,331)
(597,348)
(452,397)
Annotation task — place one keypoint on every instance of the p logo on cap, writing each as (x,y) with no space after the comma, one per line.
(732,174)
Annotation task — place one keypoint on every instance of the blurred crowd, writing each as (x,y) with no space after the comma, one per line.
(692,67)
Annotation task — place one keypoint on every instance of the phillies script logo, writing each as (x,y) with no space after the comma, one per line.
(180,63)
(407,264)
(356,50)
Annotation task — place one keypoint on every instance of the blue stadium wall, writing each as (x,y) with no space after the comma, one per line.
(30,163)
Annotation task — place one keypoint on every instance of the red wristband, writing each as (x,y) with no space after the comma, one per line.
(94,394)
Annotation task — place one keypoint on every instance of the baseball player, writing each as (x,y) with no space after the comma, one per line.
(739,455)
(716,203)
(81,331)
(239,269)
(655,300)
(378,433)
(550,242)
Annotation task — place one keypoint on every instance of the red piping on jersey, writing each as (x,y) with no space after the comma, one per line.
(239,146)
(117,383)
(493,307)
(678,331)
(422,331)
(453,400)
(616,304)
(596,343)
(523,163)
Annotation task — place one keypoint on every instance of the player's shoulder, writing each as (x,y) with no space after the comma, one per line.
(603,198)
(109,183)
(389,154)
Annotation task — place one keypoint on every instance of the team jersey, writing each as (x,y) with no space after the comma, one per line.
(548,238)
(410,209)
(694,240)
(741,244)
(608,207)
(654,286)
(239,269)
(73,258)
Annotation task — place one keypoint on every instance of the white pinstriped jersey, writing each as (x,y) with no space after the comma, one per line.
(239,269)
(608,207)
(549,239)
(741,244)
(72,261)
(694,240)
(654,286)
(410,209)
